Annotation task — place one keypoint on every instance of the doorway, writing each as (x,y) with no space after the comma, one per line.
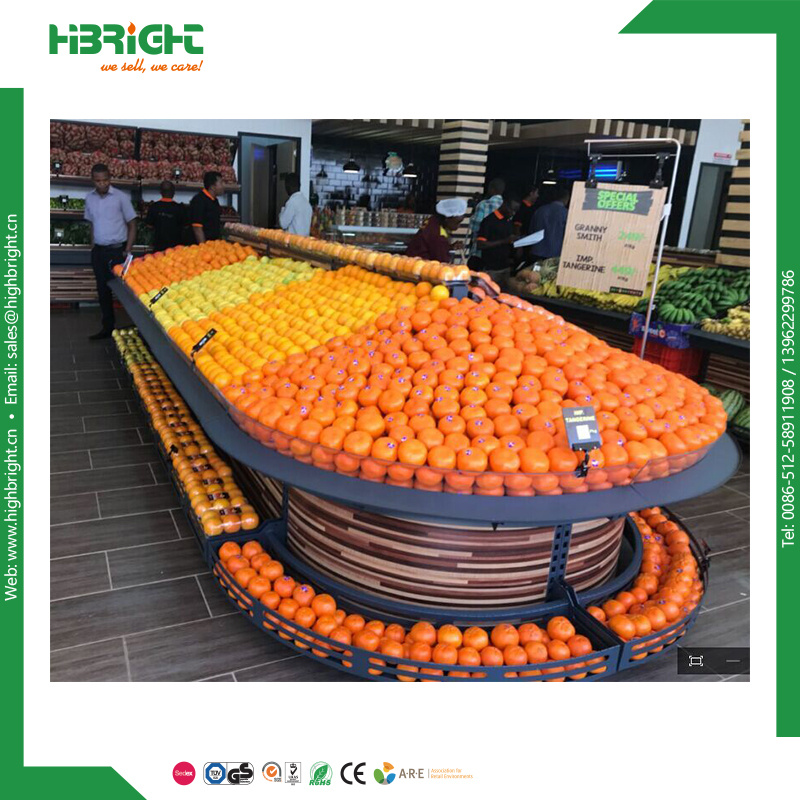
(709,210)
(264,162)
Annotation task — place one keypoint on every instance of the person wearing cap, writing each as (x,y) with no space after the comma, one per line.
(167,219)
(432,241)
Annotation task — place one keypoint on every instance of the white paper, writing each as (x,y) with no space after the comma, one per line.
(534,238)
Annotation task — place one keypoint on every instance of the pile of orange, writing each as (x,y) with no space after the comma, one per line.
(530,650)
(180,263)
(217,501)
(292,320)
(402,266)
(467,397)
(667,589)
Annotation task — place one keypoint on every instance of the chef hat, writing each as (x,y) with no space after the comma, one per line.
(452,207)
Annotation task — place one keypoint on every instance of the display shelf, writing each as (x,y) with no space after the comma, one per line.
(86,248)
(720,344)
(719,465)
(71,214)
(80,180)
(232,188)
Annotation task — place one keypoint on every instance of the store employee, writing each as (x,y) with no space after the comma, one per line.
(204,211)
(113,234)
(496,237)
(167,218)
(295,216)
(432,241)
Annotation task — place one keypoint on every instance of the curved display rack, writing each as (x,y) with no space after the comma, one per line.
(712,471)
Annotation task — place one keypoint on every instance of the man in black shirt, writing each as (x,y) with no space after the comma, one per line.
(496,237)
(167,218)
(204,211)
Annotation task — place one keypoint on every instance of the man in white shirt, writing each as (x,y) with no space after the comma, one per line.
(113,233)
(295,216)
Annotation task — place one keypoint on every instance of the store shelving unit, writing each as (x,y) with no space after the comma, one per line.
(451,510)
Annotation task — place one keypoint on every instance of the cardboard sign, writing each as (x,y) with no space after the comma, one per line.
(610,236)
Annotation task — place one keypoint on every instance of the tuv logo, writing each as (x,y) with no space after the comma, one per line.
(87,39)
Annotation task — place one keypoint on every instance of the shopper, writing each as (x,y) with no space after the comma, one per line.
(204,211)
(522,219)
(113,233)
(167,219)
(432,241)
(492,202)
(496,238)
(552,219)
(295,216)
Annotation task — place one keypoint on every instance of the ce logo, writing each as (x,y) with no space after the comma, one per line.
(356,772)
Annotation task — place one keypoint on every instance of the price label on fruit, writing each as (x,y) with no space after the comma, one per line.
(609,239)
(204,341)
(582,429)
(158,295)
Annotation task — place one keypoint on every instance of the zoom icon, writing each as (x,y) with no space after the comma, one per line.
(356,773)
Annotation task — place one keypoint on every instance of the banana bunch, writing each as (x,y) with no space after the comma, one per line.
(735,324)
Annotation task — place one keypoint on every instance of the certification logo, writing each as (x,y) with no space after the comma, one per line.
(354,771)
(214,773)
(235,773)
(292,774)
(321,774)
(183,772)
(271,772)
(386,775)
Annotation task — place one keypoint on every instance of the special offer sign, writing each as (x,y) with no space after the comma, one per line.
(610,236)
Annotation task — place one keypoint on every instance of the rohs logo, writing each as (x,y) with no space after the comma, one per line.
(153,40)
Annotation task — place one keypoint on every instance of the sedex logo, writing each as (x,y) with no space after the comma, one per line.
(87,39)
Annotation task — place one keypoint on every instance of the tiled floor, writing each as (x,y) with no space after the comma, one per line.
(131,598)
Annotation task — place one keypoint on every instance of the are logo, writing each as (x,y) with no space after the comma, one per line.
(293,773)
(88,39)
(271,772)
(243,774)
(321,774)
(384,776)
(214,773)
(356,770)
(183,773)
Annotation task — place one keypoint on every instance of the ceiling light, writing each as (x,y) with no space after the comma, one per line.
(351,166)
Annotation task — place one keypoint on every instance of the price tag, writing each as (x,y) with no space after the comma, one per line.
(159,295)
(204,341)
(126,264)
(582,430)
(64,198)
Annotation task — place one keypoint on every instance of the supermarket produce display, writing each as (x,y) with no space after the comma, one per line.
(369,391)
(648,616)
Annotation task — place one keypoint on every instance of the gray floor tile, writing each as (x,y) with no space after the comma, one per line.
(105,395)
(63,398)
(217,600)
(110,534)
(74,576)
(182,524)
(742,513)
(113,457)
(64,375)
(728,578)
(115,422)
(157,562)
(727,626)
(147,498)
(125,611)
(71,508)
(741,483)
(69,462)
(721,499)
(90,662)
(101,480)
(299,669)
(84,384)
(192,652)
(62,426)
(88,409)
(722,531)
(227,678)
(97,439)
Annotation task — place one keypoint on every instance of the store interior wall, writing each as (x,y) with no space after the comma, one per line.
(384,191)
(299,128)
(714,136)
